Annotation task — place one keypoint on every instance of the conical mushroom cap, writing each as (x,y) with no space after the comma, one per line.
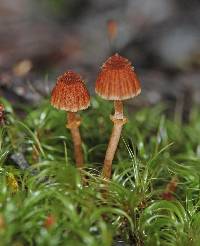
(117,79)
(70,93)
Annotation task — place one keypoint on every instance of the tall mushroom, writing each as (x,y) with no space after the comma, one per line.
(70,94)
(116,81)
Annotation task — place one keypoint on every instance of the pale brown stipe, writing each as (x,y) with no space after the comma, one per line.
(73,124)
(116,81)
(112,145)
(70,94)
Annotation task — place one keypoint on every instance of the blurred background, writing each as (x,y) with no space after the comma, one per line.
(40,39)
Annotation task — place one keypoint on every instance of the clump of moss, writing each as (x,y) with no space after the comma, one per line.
(46,203)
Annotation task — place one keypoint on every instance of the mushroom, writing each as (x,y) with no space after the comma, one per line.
(70,94)
(116,81)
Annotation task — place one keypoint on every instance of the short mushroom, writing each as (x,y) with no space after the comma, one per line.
(70,94)
(116,81)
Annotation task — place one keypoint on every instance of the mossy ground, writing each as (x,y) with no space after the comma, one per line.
(152,198)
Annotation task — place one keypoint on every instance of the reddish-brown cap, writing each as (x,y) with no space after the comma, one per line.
(70,93)
(117,79)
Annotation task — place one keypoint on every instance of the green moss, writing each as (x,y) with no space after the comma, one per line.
(48,204)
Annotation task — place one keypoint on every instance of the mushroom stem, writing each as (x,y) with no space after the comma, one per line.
(118,120)
(73,124)
(119,113)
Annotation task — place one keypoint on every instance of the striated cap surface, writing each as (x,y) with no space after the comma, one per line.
(70,93)
(117,79)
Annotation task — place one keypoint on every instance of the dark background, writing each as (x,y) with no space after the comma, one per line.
(39,39)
